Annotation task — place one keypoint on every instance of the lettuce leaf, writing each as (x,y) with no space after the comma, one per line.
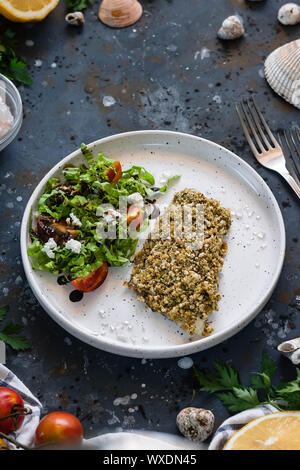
(81,191)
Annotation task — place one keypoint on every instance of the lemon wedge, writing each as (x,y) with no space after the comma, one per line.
(29,10)
(276,431)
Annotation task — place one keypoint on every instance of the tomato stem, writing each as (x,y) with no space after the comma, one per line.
(16,414)
(14,441)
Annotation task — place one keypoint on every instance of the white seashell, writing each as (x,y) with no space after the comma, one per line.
(75,19)
(289,14)
(232,28)
(196,424)
(291,349)
(282,71)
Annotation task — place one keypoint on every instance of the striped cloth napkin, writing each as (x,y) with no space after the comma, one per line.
(25,435)
(234,423)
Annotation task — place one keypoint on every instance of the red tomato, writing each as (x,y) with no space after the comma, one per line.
(114,173)
(59,427)
(92,280)
(10,403)
(134,217)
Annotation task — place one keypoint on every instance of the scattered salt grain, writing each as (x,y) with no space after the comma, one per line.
(38,63)
(5,291)
(185,363)
(172,48)
(108,101)
(217,99)
(122,400)
(205,53)
(18,280)
(29,43)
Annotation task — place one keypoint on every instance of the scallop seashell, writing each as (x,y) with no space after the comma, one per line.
(120,13)
(282,71)
(196,424)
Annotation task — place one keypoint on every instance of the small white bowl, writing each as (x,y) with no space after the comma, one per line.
(13,100)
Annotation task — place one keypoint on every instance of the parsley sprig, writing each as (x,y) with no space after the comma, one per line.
(226,384)
(10,333)
(11,64)
(78,5)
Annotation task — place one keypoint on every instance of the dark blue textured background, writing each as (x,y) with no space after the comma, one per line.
(159,83)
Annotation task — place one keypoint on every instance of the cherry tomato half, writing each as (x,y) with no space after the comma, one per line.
(114,173)
(134,217)
(59,427)
(92,280)
(10,403)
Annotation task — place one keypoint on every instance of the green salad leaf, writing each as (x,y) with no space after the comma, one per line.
(169,182)
(81,202)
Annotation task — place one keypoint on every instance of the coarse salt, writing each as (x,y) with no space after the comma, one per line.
(6,118)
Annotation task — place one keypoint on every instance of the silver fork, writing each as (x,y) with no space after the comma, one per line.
(264,146)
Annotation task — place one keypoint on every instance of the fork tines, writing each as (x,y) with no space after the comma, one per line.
(290,140)
(253,123)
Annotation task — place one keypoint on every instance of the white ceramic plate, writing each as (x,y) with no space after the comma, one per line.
(111,318)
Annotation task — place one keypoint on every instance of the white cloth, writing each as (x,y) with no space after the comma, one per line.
(140,440)
(25,435)
(232,424)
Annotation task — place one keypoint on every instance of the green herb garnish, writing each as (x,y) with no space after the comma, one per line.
(10,333)
(11,64)
(78,5)
(226,384)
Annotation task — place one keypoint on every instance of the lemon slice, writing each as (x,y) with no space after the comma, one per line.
(276,431)
(28,10)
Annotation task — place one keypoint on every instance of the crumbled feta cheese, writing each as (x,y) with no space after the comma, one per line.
(68,220)
(73,245)
(136,199)
(49,247)
(75,220)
